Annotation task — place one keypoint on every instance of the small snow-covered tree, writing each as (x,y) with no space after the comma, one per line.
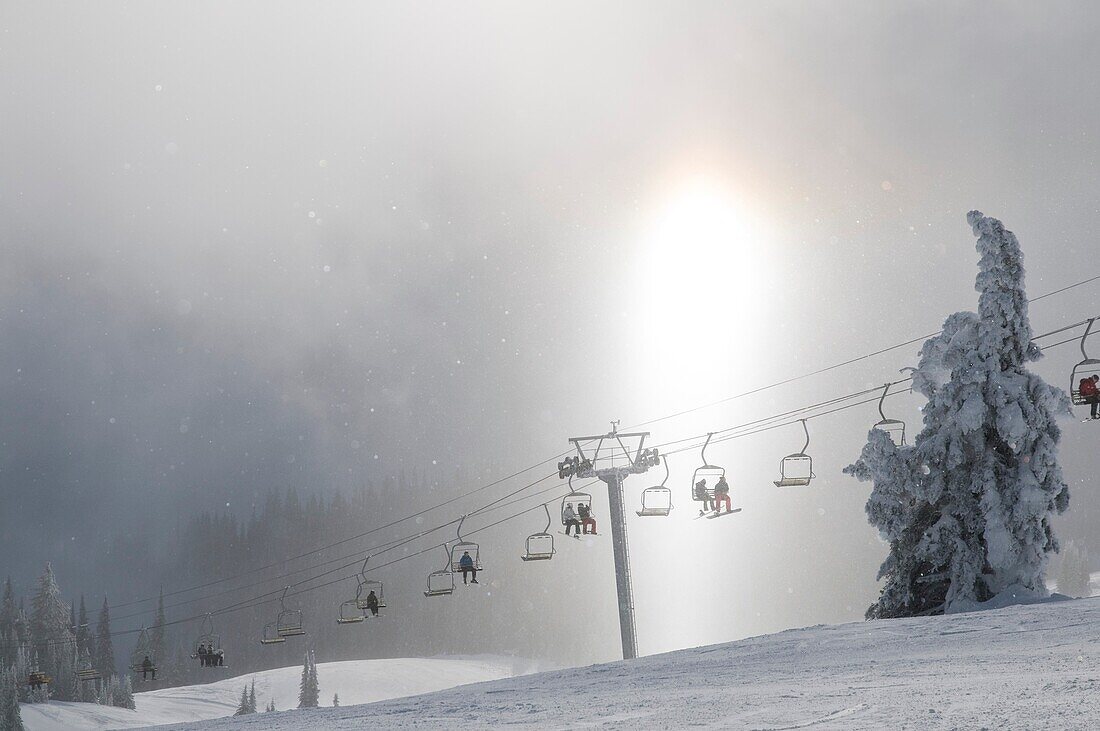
(243,708)
(270,706)
(1073,575)
(50,627)
(158,635)
(336,700)
(123,695)
(966,509)
(308,689)
(252,698)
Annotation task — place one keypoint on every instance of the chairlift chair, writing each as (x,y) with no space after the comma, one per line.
(36,679)
(271,635)
(288,623)
(86,671)
(540,546)
(143,649)
(462,546)
(796,470)
(576,499)
(208,639)
(1085,369)
(709,474)
(357,610)
(894,428)
(441,582)
(657,500)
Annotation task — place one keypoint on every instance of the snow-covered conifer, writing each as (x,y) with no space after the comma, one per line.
(10,718)
(104,649)
(966,509)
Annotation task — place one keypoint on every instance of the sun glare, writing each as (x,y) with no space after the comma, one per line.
(706,276)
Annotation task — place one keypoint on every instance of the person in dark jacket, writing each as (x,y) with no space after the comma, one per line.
(372,603)
(702,496)
(203,655)
(148,668)
(722,494)
(1090,394)
(569,517)
(466,564)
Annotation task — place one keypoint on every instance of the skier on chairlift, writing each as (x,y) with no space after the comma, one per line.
(587,521)
(147,667)
(570,518)
(1090,394)
(466,564)
(204,655)
(722,494)
(701,495)
(372,600)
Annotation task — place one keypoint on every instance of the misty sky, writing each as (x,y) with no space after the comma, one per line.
(259,245)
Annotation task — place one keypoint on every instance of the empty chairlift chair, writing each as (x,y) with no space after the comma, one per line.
(796,470)
(703,480)
(894,428)
(442,582)
(540,546)
(657,500)
(1086,369)
(85,671)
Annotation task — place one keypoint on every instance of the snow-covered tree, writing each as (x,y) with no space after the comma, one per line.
(1073,575)
(104,649)
(270,706)
(10,718)
(82,633)
(243,706)
(158,638)
(966,509)
(9,614)
(335,700)
(50,626)
(309,691)
(123,692)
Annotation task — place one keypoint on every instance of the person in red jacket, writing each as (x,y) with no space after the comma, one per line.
(1090,394)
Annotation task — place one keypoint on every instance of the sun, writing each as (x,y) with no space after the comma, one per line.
(705,276)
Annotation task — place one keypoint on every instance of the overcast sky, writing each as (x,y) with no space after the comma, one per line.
(256,245)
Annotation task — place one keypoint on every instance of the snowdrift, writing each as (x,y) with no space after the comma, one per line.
(1023,667)
(357,681)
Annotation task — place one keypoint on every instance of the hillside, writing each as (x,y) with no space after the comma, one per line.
(358,681)
(1021,667)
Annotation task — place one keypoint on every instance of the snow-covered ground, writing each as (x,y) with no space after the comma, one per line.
(358,681)
(1023,667)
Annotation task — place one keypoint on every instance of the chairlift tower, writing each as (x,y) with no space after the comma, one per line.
(613,459)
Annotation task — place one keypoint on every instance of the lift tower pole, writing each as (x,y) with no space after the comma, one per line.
(619,461)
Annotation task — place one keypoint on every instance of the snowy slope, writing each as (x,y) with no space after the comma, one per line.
(1023,667)
(359,681)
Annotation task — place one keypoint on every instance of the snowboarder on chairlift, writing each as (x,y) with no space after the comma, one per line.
(1090,394)
(147,668)
(372,602)
(722,493)
(570,518)
(585,512)
(466,564)
(203,655)
(701,494)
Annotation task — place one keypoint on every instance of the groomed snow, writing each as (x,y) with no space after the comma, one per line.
(1023,667)
(358,681)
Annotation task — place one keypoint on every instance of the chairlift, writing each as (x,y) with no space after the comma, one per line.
(85,671)
(540,546)
(657,500)
(358,609)
(796,470)
(462,546)
(1087,368)
(143,652)
(705,477)
(576,500)
(442,582)
(289,621)
(894,428)
(36,679)
(270,635)
(208,645)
